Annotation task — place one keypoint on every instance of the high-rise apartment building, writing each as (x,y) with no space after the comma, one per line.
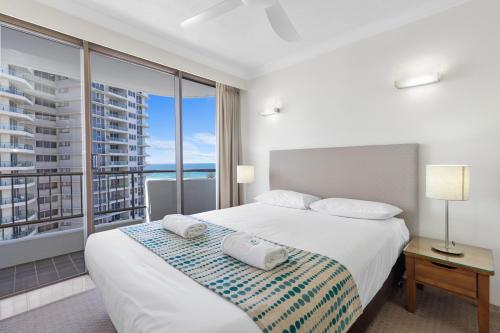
(119,144)
(41,131)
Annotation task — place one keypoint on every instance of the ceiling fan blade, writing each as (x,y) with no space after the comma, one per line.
(212,12)
(281,23)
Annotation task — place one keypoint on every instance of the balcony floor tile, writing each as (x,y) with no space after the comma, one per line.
(40,273)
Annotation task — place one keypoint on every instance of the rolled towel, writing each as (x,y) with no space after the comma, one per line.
(184,226)
(254,251)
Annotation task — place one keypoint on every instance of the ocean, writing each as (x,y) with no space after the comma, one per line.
(187,174)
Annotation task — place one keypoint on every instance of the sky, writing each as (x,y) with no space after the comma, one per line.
(198,130)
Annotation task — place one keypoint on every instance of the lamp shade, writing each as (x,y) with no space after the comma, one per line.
(244,174)
(448,182)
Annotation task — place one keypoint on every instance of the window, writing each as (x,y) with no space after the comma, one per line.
(131,104)
(46,158)
(46,144)
(132,126)
(46,130)
(45,116)
(131,93)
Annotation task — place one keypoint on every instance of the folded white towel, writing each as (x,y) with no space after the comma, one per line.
(254,251)
(185,226)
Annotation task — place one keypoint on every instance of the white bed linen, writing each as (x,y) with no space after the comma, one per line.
(142,293)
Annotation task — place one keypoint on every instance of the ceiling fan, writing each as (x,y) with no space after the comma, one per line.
(280,22)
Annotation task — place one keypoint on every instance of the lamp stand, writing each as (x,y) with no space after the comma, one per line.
(447,247)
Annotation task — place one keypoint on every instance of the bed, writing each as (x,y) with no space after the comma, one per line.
(142,293)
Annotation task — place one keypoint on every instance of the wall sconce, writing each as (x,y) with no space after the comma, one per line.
(274,110)
(418,80)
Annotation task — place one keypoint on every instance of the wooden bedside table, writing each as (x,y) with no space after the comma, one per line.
(467,275)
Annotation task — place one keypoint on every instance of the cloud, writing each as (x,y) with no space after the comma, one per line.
(204,138)
(163,152)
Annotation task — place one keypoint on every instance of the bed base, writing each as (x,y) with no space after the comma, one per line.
(372,309)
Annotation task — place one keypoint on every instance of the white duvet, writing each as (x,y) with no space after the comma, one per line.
(142,293)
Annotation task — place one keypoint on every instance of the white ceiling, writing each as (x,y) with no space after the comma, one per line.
(242,42)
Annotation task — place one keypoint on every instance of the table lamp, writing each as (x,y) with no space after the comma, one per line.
(244,174)
(448,183)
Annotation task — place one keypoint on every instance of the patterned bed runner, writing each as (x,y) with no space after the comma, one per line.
(308,293)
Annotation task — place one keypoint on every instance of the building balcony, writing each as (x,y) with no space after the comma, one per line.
(5,220)
(16,78)
(15,95)
(115,139)
(117,93)
(110,151)
(16,130)
(15,201)
(117,116)
(15,112)
(16,165)
(116,163)
(16,148)
(9,183)
(117,106)
(115,128)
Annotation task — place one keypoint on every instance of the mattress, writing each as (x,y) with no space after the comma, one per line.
(142,293)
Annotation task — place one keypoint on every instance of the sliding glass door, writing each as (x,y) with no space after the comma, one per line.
(133,142)
(41,161)
(199,146)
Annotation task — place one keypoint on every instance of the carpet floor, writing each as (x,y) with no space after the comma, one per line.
(436,312)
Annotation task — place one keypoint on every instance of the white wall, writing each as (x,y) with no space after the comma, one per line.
(347,97)
(34,12)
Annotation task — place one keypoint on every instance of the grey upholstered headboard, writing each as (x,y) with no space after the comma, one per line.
(386,173)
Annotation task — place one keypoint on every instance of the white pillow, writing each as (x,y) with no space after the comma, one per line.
(289,199)
(358,209)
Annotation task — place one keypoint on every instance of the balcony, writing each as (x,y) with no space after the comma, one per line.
(19,79)
(15,112)
(117,163)
(42,240)
(116,139)
(116,92)
(18,200)
(110,151)
(116,115)
(116,128)
(117,105)
(15,94)
(16,148)
(16,165)
(15,183)
(16,129)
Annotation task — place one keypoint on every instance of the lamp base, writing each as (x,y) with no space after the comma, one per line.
(450,249)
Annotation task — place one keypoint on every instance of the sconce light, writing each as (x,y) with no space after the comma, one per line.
(417,80)
(274,110)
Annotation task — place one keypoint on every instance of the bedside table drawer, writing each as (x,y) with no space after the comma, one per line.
(453,279)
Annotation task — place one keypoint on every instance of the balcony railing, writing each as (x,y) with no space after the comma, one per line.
(120,105)
(16,146)
(119,92)
(16,164)
(12,127)
(119,128)
(115,139)
(12,90)
(115,190)
(58,183)
(14,109)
